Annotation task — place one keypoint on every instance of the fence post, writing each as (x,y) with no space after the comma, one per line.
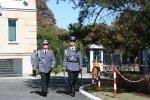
(115,81)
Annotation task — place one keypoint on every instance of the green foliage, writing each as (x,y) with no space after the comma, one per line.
(50,32)
(128,33)
(87,34)
(133,32)
(63,34)
(95,34)
(57,69)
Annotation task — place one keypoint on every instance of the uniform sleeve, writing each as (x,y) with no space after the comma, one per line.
(80,60)
(34,60)
(64,61)
(53,60)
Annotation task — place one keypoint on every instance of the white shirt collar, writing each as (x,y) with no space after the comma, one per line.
(72,48)
(45,50)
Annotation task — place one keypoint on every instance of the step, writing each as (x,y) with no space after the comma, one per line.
(10,72)
(10,75)
(8,61)
(5,66)
(5,62)
(1,68)
(6,70)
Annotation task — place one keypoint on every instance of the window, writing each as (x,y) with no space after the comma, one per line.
(12,29)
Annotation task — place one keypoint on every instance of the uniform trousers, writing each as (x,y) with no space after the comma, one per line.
(45,81)
(73,77)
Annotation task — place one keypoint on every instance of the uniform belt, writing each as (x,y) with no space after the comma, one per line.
(73,61)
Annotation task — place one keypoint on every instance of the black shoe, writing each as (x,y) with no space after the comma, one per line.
(73,94)
(44,94)
(69,91)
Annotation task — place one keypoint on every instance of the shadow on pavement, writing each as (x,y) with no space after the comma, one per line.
(57,84)
(37,92)
(62,92)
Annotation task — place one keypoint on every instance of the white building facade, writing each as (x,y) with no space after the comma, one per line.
(18,36)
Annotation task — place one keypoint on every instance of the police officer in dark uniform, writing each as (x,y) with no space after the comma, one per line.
(44,61)
(72,63)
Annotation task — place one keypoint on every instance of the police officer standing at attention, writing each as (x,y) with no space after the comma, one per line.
(44,62)
(72,64)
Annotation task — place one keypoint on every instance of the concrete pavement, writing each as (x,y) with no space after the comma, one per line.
(18,88)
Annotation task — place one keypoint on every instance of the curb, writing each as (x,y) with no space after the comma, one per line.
(81,90)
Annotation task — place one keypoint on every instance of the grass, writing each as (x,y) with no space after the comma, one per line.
(107,92)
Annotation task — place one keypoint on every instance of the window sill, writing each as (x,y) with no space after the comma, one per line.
(11,42)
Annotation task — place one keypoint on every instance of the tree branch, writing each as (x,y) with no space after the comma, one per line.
(97,15)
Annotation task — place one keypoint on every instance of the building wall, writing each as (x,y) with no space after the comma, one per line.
(26,38)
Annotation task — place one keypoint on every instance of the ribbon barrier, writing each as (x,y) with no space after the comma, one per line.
(131,80)
(115,70)
(96,76)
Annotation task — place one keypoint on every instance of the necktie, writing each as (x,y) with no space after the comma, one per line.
(45,51)
(73,49)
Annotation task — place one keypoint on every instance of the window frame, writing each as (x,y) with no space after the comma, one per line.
(0,9)
(13,42)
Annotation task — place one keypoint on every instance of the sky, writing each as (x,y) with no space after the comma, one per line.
(65,14)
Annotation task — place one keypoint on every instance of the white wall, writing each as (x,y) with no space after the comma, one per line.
(26,33)
(18,4)
(27,67)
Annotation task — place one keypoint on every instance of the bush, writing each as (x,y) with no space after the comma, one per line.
(143,86)
(57,69)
